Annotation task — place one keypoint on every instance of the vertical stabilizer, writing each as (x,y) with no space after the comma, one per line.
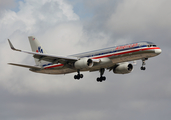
(36,47)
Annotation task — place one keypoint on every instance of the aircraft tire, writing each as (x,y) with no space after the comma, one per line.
(81,75)
(103,78)
(75,76)
(99,79)
(143,68)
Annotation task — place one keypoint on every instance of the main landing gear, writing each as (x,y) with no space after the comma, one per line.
(143,63)
(101,78)
(78,76)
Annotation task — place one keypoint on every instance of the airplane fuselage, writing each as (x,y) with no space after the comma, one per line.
(107,58)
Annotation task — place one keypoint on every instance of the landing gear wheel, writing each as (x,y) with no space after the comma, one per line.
(101,78)
(81,76)
(143,63)
(143,68)
(75,76)
(78,76)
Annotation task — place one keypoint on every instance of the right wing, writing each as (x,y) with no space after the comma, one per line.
(47,57)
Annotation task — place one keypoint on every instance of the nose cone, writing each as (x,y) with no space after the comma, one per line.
(158,51)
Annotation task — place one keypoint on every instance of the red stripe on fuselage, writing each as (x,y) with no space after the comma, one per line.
(54,66)
(121,53)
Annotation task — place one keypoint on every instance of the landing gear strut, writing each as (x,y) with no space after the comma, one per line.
(78,76)
(101,78)
(143,63)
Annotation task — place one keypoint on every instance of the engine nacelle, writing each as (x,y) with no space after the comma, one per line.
(123,68)
(83,63)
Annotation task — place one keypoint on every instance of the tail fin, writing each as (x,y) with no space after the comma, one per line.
(36,47)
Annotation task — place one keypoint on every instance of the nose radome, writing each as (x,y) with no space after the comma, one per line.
(158,51)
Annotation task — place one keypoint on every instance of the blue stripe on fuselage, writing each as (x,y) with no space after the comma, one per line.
(104,53)
(47,64)
(120,50)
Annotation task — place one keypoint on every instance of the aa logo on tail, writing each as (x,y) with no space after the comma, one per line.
(39,50)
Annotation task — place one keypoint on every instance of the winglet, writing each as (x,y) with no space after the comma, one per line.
(12,47)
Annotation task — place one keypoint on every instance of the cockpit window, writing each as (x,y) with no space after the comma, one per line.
(151,45)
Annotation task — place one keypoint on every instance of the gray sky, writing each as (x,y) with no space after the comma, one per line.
(67,27)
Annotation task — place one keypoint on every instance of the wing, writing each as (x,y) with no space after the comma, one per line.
(26,66)
(47,57)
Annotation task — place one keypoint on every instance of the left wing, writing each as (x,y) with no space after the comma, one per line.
(46,57)
(26,66)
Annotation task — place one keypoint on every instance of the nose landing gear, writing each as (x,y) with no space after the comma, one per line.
(143,63)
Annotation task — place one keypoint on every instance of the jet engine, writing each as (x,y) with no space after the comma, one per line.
(83,63)
(123,68)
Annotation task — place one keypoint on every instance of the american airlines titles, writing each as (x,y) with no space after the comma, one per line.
(126,46)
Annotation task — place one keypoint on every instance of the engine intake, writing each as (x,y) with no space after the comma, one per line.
(123,68)
(83,63)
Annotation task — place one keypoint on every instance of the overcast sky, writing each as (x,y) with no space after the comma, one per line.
(66,27)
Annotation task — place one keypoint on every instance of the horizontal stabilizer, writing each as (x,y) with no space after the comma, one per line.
(26,66)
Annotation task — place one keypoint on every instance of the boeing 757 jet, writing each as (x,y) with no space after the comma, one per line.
(115,58)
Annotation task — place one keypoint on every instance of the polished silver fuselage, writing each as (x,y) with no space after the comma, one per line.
(108,57)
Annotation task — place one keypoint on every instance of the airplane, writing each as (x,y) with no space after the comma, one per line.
(115,58)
